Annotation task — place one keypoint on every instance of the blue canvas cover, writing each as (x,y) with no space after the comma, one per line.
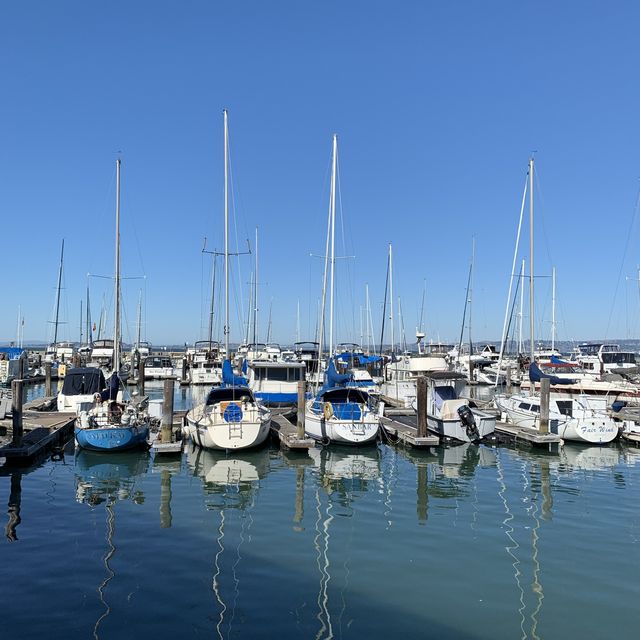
(231,379)
(535,375)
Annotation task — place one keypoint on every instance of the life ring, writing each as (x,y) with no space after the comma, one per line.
(327,409)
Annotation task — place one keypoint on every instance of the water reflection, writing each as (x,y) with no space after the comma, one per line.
(230,485)
(108,478)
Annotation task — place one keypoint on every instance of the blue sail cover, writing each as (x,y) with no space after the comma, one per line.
(335,379)
(229,378)
(358,359)
(556,360)
(535,375)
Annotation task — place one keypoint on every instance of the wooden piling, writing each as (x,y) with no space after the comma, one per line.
(141,376)
(47,380)
(544,405)
(421,391)
(301,392)
(166,424)
(508,380)
(21,368)
(472,368)
(183,377)
(16,411)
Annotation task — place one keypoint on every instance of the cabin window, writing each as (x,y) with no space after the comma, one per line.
(565,407)
(525,406)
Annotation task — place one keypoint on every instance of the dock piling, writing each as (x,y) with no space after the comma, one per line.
(16,411)
(507,381)
(421,390)
(183,377)
(166,424)
(47,380)
(544,405)
(300,421)
(141,376)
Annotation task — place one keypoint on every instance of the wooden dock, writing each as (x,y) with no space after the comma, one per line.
(287,433)
(42,431)
(519,434)
(175,445)
(404,429)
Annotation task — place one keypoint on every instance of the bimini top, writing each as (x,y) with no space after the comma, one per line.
(229,394)
(13,353)
(83,381)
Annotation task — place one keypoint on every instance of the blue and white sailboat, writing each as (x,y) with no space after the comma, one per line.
(111,425)
(230,417)
(340,411)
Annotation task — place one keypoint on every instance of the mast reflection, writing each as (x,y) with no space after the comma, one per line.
(106,478)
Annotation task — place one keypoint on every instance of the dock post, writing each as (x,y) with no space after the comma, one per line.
(183,377)
(507,381)
(300,422)
(141,376)
(544,405)
(16,411)
(421,392)
(472,368)
(21,368)
(47,380)
(166,424)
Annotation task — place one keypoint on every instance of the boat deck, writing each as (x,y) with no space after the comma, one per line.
(403,427)
(287,433)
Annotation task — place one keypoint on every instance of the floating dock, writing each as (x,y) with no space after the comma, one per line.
(403,427)
(43,430)
(287,433)
(519,434)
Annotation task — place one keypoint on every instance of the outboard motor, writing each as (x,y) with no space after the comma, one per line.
(469,421)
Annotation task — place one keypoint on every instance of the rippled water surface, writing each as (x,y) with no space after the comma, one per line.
(379,542)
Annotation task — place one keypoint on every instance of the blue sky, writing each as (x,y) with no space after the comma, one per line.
(437,106)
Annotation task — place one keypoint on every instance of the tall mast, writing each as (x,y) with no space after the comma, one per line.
(298,322)
(88,320)
(81,321)
(255,296)
(226,234)
(531,310)
(333,237)
(473,259)
(211,305)
(366,319)
(520,340)
(116,338)
(139,328)
(55,329)
(553,309)
(393,337)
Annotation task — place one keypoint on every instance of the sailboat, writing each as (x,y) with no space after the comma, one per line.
(111,425)
(339,412)
(572,418)
(230,417)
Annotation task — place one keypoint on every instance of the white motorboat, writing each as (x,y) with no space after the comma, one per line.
(451,416)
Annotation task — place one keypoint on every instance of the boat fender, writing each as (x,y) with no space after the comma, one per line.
(469,422)
(327,409)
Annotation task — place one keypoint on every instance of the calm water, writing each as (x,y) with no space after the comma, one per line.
(373,543)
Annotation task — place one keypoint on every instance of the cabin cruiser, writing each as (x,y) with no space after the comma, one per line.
(604,358)
(402,372)
(275,384)
(79,389)
(205,360)
(158,368)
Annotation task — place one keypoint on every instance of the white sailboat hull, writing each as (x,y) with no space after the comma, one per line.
(588,426)
(208,429)
(341,431)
